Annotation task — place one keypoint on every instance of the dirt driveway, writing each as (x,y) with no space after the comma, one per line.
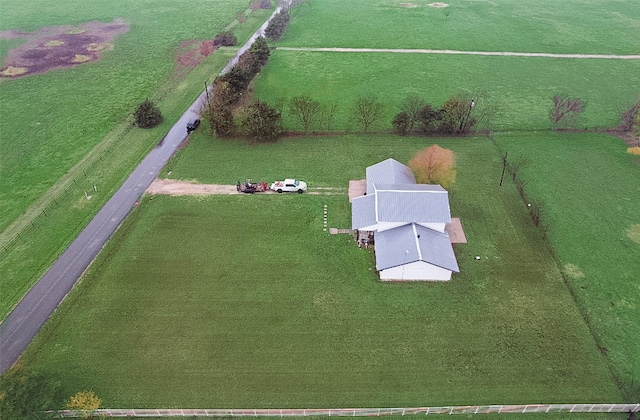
(172,187)
(177,188)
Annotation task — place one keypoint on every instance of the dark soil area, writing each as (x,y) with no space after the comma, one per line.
(59,47)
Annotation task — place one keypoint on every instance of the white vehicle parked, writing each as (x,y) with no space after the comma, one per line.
(289,185)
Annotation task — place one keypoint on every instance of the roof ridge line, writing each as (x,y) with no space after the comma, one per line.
(417,236)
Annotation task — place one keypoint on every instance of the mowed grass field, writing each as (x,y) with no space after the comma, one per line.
(243,301)
(518,89)
(588,228)
(590,196)
(568,27)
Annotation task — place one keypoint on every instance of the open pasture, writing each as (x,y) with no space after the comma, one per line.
(590,196)
(243,301)
(567,27)
(51,120)
(518,89)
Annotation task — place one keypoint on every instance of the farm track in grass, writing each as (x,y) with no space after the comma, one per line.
(455,52)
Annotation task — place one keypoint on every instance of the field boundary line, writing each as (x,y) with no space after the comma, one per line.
(355,412)
(97,153)
(458,52)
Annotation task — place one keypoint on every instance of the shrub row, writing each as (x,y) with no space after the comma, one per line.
(258,120)
(277,25)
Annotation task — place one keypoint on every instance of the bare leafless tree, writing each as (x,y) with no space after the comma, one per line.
(483,110)
(327,112)
(565,111)
(457,114)
(628,118)
(412,105)
(305,110)
(367,110)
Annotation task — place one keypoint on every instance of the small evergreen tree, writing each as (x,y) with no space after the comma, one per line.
(262,122)
(412,105)
(147,115)
(402,123)
(222,123)
(277,25)
(260,51)
(225,39)
(24,393)
(429,118)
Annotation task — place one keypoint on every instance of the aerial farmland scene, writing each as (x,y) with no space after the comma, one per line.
(294,208)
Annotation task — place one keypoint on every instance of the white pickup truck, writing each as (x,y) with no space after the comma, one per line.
(289,185)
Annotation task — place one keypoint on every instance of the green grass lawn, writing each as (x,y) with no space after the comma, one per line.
(243,301)
(568,27)
(590,196)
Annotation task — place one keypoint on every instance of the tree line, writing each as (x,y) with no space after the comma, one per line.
(231,111)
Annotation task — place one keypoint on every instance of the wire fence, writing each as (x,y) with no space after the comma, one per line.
(358,412)
(74,182)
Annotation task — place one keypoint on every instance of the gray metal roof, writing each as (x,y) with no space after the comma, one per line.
(363,212)
(417,205)
(409,187)
(412,243)
(388,171)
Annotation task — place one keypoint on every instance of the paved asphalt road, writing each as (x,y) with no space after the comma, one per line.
(24,322)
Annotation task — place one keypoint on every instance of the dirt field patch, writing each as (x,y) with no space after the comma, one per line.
(177,188)
(438,5)
(408,5)
(573,271)
(13,71)
(634,233)
(59,47)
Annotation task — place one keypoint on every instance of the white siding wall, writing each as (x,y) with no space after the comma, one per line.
(438,227)
(382,226)
(417,271)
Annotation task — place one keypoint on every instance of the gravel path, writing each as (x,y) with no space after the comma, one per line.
(455,52)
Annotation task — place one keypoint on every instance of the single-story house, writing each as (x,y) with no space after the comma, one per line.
(409,222)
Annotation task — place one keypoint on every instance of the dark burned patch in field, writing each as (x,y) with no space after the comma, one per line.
(59,47)
(190,54)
